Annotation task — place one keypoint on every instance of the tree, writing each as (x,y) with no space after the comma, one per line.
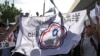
(8,12)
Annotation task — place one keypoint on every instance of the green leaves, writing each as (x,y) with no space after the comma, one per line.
(8,12)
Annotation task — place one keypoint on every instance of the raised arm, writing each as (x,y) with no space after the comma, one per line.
(88,14)
(94,27)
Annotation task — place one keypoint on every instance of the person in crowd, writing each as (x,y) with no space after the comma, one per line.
(3,35)
(26,14)
(2,29)
(98,33)
(37,13)
(96,29)
(98,26)
(89,43)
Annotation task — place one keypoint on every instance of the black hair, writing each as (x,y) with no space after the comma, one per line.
(26,14)
(89,26)
(2,25)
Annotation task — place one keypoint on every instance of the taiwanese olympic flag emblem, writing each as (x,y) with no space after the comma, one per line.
(53,37)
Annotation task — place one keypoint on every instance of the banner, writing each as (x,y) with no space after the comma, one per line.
(43,36)
(8,42)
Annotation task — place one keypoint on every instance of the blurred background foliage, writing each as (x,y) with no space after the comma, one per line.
(9,11)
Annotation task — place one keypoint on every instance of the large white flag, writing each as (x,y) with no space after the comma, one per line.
(43,36)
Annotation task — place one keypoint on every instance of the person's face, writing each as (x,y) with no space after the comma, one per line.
(88,31)
(2,29)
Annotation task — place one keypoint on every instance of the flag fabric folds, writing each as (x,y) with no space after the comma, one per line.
(43,36)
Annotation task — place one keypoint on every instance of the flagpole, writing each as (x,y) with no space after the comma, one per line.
(13,1)
(44,8)
(60,14)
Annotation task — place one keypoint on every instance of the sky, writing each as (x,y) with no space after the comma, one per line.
(33,6)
